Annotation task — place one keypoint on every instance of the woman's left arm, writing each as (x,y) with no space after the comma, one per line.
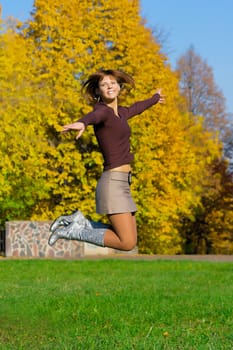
(141,106)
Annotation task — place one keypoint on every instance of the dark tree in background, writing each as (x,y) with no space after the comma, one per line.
(202,95)
(211,228)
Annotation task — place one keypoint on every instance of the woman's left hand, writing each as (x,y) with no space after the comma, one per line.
(162,97)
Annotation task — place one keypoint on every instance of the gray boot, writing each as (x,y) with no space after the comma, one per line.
(65,220)
(76,217)
(75,231)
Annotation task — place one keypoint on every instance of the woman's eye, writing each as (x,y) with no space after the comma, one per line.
(103,85)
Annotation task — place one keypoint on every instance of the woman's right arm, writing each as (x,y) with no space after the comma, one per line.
(75,126)
(91,118)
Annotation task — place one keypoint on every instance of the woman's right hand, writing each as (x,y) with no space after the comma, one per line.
(75,126)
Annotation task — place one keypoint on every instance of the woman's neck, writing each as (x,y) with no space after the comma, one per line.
(114,105)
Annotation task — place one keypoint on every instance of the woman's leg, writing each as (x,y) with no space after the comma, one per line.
(124,233)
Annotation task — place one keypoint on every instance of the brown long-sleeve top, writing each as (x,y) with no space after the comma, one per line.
(113,132)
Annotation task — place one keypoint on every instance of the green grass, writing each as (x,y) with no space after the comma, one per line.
(115,304)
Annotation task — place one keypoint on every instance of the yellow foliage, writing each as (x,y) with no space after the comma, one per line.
(59,48)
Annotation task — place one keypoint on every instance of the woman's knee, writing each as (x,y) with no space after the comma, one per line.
(129,244)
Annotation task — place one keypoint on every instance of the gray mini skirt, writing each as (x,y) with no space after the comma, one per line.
(113,194)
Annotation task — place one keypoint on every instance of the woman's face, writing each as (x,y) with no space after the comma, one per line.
(108,88)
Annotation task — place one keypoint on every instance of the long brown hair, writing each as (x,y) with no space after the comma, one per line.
(91,85)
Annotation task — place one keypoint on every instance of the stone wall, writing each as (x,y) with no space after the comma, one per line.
(30,239)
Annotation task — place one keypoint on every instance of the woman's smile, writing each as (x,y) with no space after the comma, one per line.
(109,87)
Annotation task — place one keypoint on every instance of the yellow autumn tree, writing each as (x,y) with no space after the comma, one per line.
(23,142)
(67,42)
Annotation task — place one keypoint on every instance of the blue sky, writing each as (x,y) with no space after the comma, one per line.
(207,25)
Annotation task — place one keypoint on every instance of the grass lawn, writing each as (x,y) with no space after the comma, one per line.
(115,304)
